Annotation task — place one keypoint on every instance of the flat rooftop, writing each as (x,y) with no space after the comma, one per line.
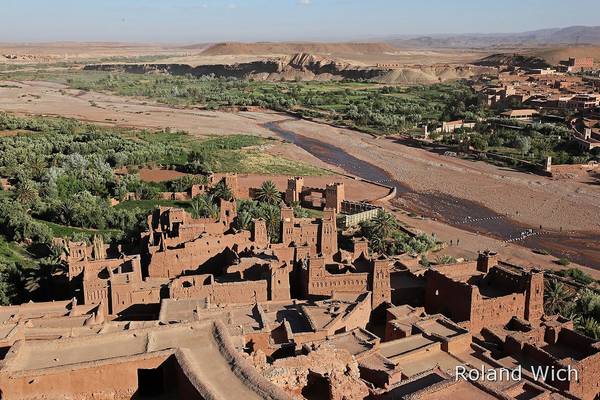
(441,327)
(400,347)
(197,340)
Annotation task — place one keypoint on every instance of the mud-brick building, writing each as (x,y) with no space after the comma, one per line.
(306,237)
(177,243)
(550,345)
(323,278)
(118,285)
(203,253)
(331,196)
(169,226)
(484,293)
(260,280)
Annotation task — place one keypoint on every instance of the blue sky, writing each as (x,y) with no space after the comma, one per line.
(251,20)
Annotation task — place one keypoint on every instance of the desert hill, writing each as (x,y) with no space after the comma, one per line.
(268,48)
(513,60)
(553,55)
(303,67)
(542,57)
(576,35)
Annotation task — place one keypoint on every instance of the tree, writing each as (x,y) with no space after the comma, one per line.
(147,192)
(222,191)
(26,192)
(268,193)
(555,296)
(383,224)
(523,144)
(271,213)
(378,245)
(39,279)
(299,212)
(590,327)
(244,220)
(445,259)
(10,278)
(204,206)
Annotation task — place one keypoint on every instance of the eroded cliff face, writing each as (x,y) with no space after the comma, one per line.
(297,67)
(302,67)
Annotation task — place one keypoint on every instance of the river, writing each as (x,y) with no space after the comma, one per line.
(580,247)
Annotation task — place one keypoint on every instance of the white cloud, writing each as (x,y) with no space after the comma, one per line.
(305,2)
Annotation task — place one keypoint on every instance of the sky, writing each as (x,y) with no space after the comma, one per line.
(200,21)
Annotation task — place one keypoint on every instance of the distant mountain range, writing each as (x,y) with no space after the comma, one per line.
(579,35)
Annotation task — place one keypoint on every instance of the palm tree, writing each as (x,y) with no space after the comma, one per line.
(378,245)
(204,206)
(26,192)
(384,224)
(40,277)
(555,296)
(588,303)
(268,193)
(272,216)
(590,327)
(244,220)
(222,191)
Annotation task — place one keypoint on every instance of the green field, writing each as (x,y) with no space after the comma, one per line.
(68,231)
(11,252)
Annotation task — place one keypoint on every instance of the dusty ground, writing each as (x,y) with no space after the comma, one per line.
(159,175)
(469,244)
(80,52)
(527,198)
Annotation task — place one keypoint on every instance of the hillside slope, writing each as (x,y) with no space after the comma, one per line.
(576,35)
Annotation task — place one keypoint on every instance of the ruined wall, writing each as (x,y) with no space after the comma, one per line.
(279,284)
(496,311)
(457,344)
(588,386)
(218,293)
(447,296)
(358,317)
(458,269)
(322,283)
(243,369)
(124,296)
(173,262)
(92,266)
